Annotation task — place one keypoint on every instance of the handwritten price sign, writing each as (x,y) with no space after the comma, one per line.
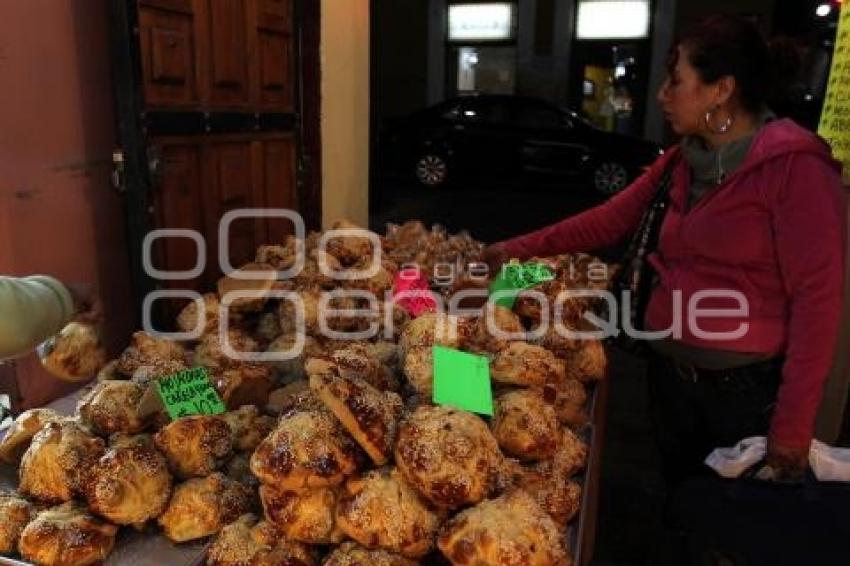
(189,392)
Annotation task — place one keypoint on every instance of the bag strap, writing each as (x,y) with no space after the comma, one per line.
(634,267)
(640,244)
(659,200)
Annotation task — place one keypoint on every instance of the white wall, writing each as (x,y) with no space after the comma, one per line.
(345,111)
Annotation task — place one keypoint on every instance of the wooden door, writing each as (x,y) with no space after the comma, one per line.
(217,104)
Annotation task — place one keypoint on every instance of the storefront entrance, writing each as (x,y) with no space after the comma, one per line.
(481,50)
(611,63)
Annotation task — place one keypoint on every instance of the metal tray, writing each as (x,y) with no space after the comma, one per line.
(151,548)
(582,533)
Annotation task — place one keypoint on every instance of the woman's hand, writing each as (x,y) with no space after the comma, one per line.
(784,464)
(790,463)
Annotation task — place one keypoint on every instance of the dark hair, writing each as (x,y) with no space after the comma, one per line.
(726,45)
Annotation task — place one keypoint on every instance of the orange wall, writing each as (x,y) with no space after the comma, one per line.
(58,212)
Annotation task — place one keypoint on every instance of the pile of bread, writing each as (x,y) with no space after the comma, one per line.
(334,457)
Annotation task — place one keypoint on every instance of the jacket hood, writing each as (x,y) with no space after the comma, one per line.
(782,137)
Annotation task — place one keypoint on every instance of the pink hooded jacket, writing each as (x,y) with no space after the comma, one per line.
(774,231)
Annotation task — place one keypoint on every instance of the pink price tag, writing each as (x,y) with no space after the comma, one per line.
(417,297)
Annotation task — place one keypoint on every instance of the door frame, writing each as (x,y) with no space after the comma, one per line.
(135,126)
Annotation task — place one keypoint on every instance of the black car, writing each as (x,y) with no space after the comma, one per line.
(498,135)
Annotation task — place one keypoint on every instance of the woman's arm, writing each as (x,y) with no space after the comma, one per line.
(599,227)
(31,310)
(809,224)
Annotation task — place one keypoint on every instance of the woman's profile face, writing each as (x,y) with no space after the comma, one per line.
(684,97)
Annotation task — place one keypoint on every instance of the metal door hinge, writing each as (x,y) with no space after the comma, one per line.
(118,177)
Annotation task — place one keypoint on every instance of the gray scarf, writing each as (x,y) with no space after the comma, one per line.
(710,167)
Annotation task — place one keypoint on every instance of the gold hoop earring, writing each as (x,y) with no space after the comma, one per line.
(724,128)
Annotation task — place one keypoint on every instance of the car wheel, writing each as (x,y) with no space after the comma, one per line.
(432,170)
(610,177)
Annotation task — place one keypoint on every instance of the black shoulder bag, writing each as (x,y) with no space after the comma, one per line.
(636,275)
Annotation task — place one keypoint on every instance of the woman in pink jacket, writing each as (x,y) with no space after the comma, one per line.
(756,207)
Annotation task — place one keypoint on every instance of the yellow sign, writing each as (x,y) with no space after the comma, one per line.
(835,119)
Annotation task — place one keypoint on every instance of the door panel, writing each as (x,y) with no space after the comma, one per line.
(275,50)
(482,137)
(168,69)
(184,6)
(553,153)
(230,186)
(224,53)
(550,143)
(275,14)
(279,170)
(209,86)
(275,73)
(202,178)
(178,206)
(233,173)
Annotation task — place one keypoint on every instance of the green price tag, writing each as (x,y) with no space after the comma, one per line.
(515,277)
(189,392)
(462,380)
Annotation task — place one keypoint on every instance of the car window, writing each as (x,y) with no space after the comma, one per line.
(483,111)
(538,116)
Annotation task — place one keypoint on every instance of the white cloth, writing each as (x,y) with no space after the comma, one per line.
(733,461)
(828,463)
